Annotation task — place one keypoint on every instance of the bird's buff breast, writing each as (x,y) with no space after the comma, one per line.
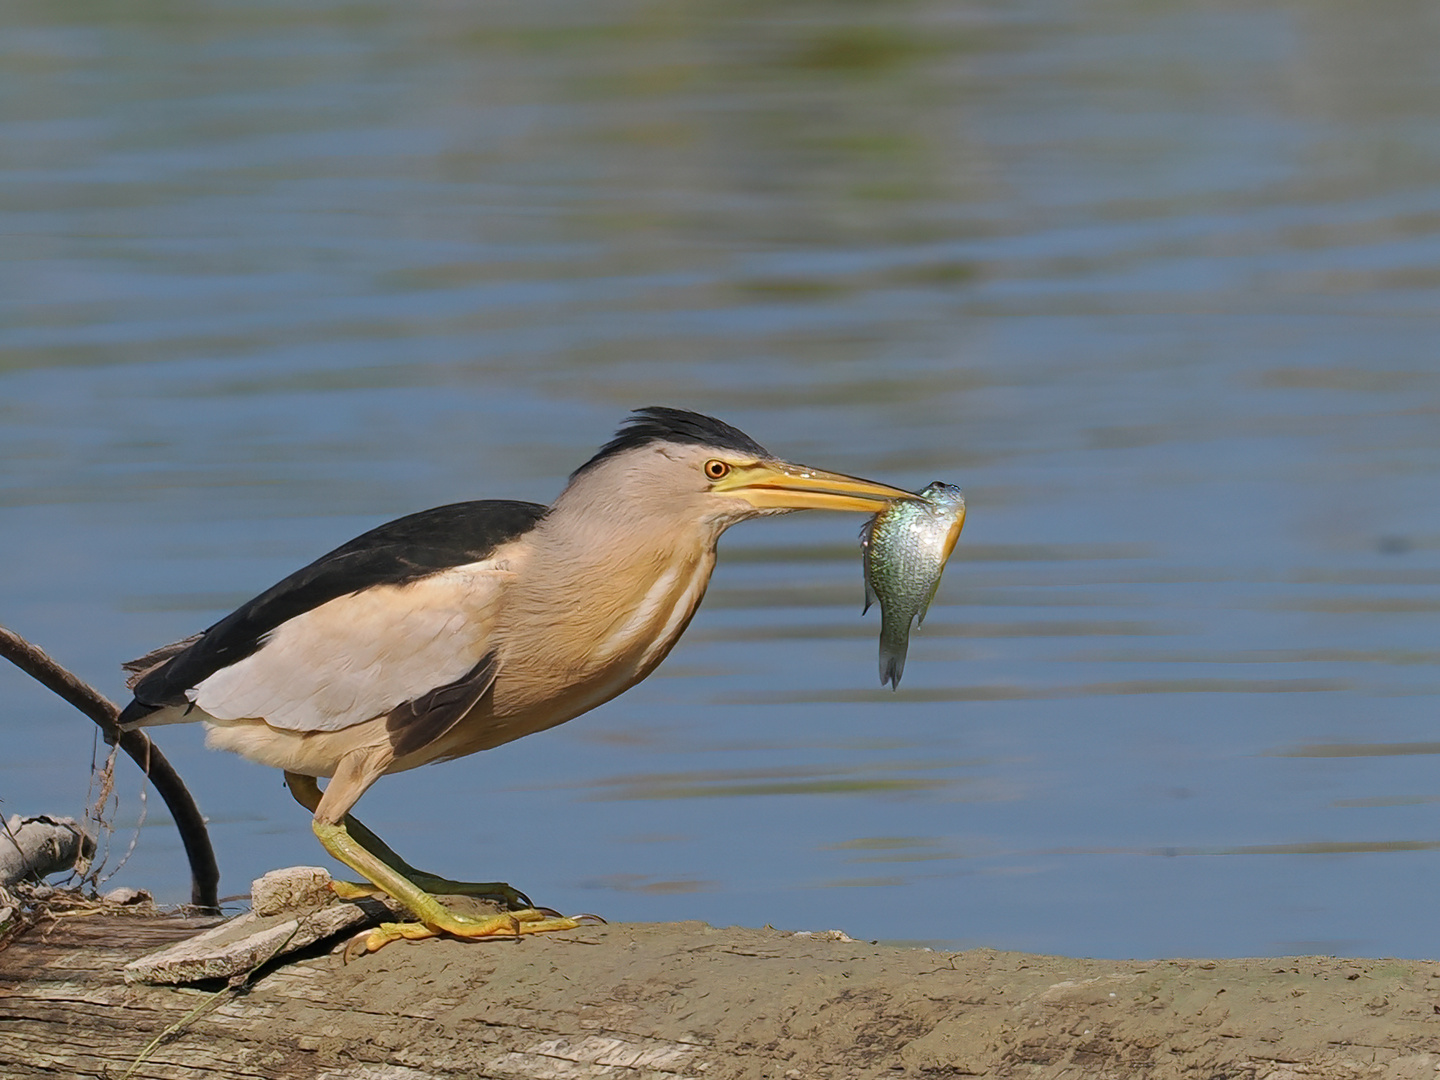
(545,683)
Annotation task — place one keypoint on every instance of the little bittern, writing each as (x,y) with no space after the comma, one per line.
(461,628)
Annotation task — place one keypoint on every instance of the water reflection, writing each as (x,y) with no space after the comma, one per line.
(1155,284)
(1345,750)
(722,783)
(1035,693)
(1044,628)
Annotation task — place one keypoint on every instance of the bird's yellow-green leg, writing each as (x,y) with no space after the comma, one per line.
(434,916)
(430,883)
(306,791)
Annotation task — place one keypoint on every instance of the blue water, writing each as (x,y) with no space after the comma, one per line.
(1159,287)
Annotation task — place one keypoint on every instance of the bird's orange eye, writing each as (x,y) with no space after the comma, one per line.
(716,469)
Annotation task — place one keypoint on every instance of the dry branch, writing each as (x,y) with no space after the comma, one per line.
(37,847)
(204,873)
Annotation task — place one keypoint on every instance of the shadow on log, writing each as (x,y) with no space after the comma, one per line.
(665,1001)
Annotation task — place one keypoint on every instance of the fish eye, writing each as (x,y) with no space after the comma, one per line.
(716,469)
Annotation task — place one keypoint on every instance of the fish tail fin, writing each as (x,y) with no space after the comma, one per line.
(892,659)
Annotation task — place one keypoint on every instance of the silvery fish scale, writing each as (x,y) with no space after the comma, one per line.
(905,547)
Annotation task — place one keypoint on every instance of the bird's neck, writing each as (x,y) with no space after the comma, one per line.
(593,618)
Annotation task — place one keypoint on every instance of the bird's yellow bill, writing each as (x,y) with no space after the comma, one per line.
(781,486)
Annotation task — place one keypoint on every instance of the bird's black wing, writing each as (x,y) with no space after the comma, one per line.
(400,551)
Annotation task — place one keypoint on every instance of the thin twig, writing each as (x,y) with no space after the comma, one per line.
(134,836)
(97,795)
(204,874)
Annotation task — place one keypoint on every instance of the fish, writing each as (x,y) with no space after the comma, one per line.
(904,548)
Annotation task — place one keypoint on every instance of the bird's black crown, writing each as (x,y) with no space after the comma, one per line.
(657,423)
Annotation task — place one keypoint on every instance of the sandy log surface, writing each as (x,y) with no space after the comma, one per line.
(687,1000)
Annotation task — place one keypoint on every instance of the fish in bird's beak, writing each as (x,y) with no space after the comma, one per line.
(778,485)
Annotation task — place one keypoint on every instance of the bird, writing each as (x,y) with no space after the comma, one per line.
(461,628)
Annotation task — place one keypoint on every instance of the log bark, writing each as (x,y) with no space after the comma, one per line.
(670,1001)
(37,847)
(291,909)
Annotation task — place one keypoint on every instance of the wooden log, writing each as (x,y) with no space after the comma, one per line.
(36,847)
(291,910)
(671,1001)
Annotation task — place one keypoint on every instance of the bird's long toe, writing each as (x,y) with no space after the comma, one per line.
(355,890)
(509,924)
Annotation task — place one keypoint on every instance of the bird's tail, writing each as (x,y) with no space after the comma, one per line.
(143,714)
(142,666)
